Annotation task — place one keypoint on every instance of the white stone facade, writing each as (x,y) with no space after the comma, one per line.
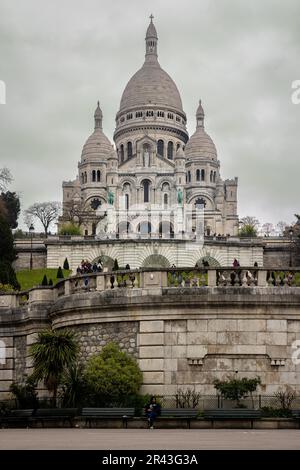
(153,161)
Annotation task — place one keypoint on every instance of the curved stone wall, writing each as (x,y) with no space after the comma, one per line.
(185,327)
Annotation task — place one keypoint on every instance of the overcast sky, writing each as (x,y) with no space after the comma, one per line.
(59,57)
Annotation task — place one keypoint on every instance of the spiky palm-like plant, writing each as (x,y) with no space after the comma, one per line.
(53,353)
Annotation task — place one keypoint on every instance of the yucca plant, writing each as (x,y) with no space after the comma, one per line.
(53,353)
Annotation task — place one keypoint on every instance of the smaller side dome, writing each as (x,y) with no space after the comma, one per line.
(97,146)
(200,143)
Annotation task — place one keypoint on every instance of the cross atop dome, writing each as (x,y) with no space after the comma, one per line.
(151,42)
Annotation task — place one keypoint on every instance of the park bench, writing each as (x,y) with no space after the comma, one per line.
(16,418)
(91,414)
(44,415)
(296,415)
(184,414)
(232,414)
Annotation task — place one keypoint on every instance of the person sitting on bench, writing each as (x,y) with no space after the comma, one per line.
(152,410)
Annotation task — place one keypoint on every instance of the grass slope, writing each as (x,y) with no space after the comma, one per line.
(28,279)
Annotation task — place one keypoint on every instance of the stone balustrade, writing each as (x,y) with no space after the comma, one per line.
(147,278)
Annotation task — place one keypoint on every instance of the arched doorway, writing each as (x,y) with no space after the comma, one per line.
(107,261)
(156,261)
(208,261)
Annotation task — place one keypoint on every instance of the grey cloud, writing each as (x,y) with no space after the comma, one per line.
(58,58)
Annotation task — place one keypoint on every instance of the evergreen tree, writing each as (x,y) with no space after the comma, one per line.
(66,264)
(50,282)
(60,274)
(12,205)
(7,255)
(116,265)
(45,280)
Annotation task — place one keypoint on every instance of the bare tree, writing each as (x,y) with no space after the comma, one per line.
(45,212)
(250,221)
(281,226)
(267,229)
(5,178)
(28,220)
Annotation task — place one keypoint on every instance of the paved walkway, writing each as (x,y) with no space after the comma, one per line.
(171,439)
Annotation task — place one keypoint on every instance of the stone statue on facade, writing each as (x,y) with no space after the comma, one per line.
(179,197)
(111,197)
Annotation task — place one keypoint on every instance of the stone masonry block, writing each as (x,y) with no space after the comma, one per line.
(151,351)
(277,325)
(151,326)
(153,377)
(151,364)
(151,338)
(202,338)
(197,325)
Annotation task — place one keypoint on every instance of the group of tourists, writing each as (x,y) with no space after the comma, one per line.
(87,268)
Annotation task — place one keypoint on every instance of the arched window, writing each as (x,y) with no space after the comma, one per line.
(146,186)
(85,177)
(189,176)
(160,148)
(82,178)
(202,175)
(122,153)
(93,175)
(214,176)
(144,228)
(166,200)
(198,175)
(170,150)
(129,149)
(127,201)
(177,146)
(98,175)
(211,176)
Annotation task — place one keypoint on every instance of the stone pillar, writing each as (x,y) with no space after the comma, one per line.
(262,279)
(212,278)
(100,283)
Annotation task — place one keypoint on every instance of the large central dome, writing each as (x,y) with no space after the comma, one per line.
(151,85)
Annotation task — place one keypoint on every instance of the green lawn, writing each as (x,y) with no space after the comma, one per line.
(28,279)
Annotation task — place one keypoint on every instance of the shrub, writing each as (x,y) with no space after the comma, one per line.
(270,412)
(45,280)
(236,389)
(248,231)
(60,274)
(66,264)
(50,282)
(187,398)
(6,288)
(286,397)
(25,393)
(70,229)
(112,376)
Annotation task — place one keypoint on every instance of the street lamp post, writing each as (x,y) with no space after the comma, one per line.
(31,230)
(291,233)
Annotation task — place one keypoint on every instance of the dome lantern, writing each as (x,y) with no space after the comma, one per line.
(151,41)
(98,117)
(200,115)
